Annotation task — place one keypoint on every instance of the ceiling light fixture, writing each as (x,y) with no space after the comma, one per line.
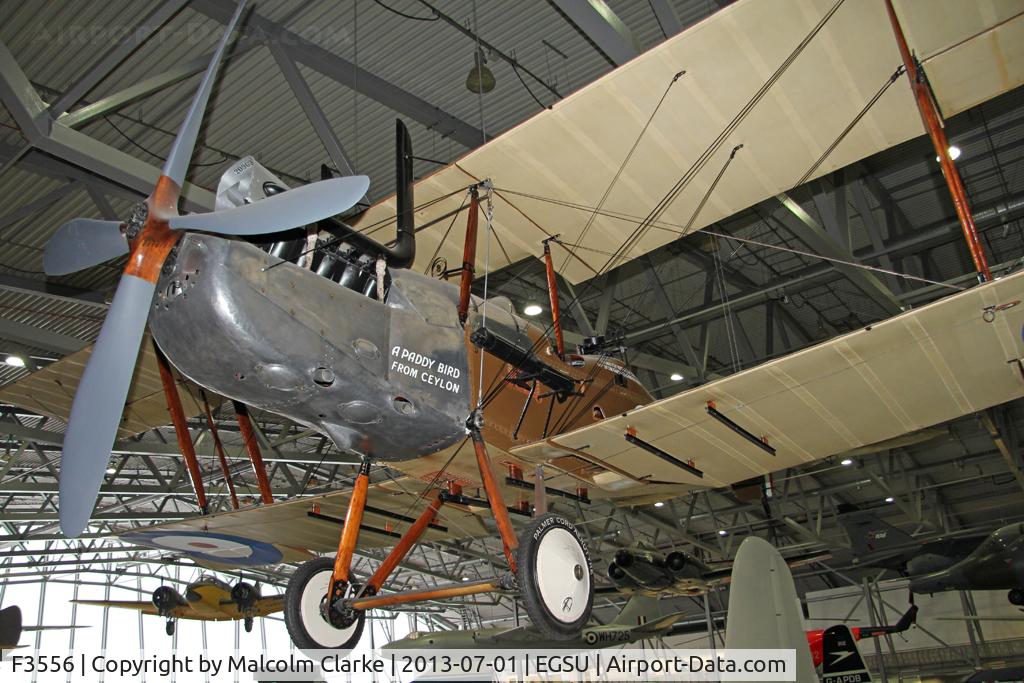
(890,499)
(954,153)
(846,462)
(676,377)
(111,470)
(532,309)
(723,532)
(480,79)
(15,361)
(659,504)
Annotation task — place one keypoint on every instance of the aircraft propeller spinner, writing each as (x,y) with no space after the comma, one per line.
(148,237)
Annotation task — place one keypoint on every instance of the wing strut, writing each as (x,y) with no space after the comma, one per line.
(188,449)
(469,255)
(932,120)
(556,321)
(219,447)
(255,455)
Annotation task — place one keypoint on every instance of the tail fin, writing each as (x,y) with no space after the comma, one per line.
(764,610)
(638,611)
(842,662)
(10,626)
(870,535)
(908,619)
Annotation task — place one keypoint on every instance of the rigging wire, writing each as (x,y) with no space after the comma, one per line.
(730,330)
(844,262)
(682,233)
(846,131)
(444,239)
(625,161)
(641,230)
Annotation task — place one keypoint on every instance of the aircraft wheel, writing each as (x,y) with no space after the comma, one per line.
(555,576)
(1016,597)
(247,624)
(309,629)
(169,628)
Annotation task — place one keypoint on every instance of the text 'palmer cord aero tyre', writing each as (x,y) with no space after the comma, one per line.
(555,576)
(309,629)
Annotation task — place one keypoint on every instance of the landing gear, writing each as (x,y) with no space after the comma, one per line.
(312,624)
(169,628)
(1016,597)
(247,624)
(555,576)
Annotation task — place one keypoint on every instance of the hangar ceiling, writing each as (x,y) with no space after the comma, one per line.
(325,89)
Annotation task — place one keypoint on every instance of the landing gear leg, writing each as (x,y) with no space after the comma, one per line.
(314,601)
(552,565)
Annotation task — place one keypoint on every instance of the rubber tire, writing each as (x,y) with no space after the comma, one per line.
(293,608)
(1016,597)
(526,574)
(169,628)
(247,624)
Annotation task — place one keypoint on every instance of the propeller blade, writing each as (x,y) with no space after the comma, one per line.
(81,243)
(99,402)
(184,144)
(300,206)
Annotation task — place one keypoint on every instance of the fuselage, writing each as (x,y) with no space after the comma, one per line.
(996,564)
(394,380)
(208,597)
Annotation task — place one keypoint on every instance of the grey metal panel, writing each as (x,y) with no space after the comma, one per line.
(602,26)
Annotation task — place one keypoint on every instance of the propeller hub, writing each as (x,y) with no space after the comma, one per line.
(136,220)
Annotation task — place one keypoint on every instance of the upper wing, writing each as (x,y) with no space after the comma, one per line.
(923,367)
(573,152)
(50,391)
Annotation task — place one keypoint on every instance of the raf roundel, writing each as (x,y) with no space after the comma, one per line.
(213,547)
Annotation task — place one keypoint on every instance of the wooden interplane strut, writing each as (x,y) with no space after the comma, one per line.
(255,455)
(188,449)
(469,255)
(933,124)
(219,447)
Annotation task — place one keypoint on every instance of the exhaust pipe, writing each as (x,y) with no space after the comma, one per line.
(402,252)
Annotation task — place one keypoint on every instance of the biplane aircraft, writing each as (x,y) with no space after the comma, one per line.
(401,368)
(207,599)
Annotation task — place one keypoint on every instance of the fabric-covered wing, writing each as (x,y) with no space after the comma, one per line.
(973,51)
(915,370)
(288,531)
(50,391)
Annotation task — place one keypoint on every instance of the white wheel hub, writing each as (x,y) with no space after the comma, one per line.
(563,578)
(318,628)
